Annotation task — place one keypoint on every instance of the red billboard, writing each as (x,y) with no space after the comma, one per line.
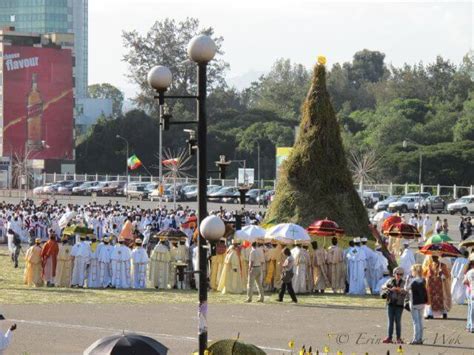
(38,102)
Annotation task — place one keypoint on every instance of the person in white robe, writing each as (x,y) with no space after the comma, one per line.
(81,252)
(300,267)
(427,230)
(458,271)
(380,269)
(93,276)
(139,265)
(160,266)
(104,258)
(407,258)
(370,260)
(356,266)
(121,265)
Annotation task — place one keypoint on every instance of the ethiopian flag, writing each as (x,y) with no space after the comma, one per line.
(133,162)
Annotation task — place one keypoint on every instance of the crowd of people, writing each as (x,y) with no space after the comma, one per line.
(123,249)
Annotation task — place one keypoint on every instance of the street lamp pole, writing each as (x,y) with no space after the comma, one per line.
(258,176)
(201,50)
(127,152)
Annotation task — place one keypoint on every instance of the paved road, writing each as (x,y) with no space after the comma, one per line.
(69,329)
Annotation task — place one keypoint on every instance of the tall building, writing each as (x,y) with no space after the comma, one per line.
(53,16)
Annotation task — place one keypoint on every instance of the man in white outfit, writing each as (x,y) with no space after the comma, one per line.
(81,252)
(139,263)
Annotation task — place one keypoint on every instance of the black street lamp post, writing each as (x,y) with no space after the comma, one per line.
(201,50)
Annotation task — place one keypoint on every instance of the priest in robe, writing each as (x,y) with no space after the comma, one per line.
(139,265)
(407,258)
(458,271)
(273,275)
(81,252)
(356,269)
(217,263)
(319,262)
(49,255)
(336,267)
(160,266)
(93,275)
(231,278)
(104,258)
(33,269)
(300,267)
(121,265)
(64,264)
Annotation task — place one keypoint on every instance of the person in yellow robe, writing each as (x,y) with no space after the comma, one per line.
(272,277)
(319,268)
(231,278)
(33,267)
(217,264)
(336,267)
(160,266)
(64,264)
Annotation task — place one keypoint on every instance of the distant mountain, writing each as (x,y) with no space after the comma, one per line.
(243,81)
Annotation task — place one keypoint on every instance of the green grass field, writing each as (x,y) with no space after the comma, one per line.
(13,291)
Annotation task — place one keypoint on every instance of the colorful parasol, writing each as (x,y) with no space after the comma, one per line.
(381,216)
(389,221)
(402,230)
(288,233)
(438,238)
(324,228)
(440,249)
(469,242)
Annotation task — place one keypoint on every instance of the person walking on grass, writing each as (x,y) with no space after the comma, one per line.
(394,292)
(255,272)
(287,277)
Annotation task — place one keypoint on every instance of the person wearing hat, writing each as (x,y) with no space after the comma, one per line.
(81,252)
(49,255)
(64,264)
(33,267)
(336,267)
(469,282)
(6,339)
(321,279)
(139,265)
(121,265)
(438,279)
(231,278)
(93,279)
(395,294)
(370,264)
(300,269)
(217,263)
(104,258)
(407,257)
(356,269)
(273,275)
(458,289)
(160,266)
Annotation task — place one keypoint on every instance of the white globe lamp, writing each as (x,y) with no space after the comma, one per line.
(212,228)
(159,78)
(202,49)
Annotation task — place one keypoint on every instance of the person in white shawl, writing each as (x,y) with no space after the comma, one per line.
(139,264)
(356,267)
(407,259)
(300,267)
(104,255)
(458,288)
(121,265)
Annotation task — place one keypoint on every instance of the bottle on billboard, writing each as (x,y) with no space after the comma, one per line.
(35,112)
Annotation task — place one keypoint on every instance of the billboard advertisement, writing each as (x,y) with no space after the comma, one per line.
(38,102)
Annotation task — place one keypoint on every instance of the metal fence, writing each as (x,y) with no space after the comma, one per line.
(450,192)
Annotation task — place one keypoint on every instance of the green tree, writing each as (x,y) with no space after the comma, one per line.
(367,66)
(166,44)
(107,91)
(464,128)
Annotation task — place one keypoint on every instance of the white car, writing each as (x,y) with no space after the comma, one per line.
(405,204)
(465,205)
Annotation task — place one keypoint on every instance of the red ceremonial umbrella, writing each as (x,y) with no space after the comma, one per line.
(440,249)
(324,228)
(389,221)
(402,230)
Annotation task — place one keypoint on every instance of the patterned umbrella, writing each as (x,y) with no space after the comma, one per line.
(402,230)
(288,233)
(389,221)
(324,228)
(440,249)
(172,234)
(381,216)
(469,242)
(438,238)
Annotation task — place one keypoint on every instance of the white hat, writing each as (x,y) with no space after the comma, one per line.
(363,239)
(357,240)
(406,242)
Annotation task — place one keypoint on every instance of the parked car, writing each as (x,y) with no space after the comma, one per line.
(266,198)
(114,188)
(383,204)
(138,191)
(370,198)
(99,188)
(253,194)
(431,204)
(223,193)
(67,189)
(464,205)
(39,189)
(51,189)
(83,189)
(404,204)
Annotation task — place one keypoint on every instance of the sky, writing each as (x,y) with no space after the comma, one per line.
(258,32)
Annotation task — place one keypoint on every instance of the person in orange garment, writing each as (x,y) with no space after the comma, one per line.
(49,255)
(127,231)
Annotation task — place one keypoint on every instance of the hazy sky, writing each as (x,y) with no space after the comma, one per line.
(257,32)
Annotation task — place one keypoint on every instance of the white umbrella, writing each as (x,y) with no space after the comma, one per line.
(251,233)
(288,233)
(381,216)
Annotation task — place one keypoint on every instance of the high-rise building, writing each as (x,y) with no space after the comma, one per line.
(53,16)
